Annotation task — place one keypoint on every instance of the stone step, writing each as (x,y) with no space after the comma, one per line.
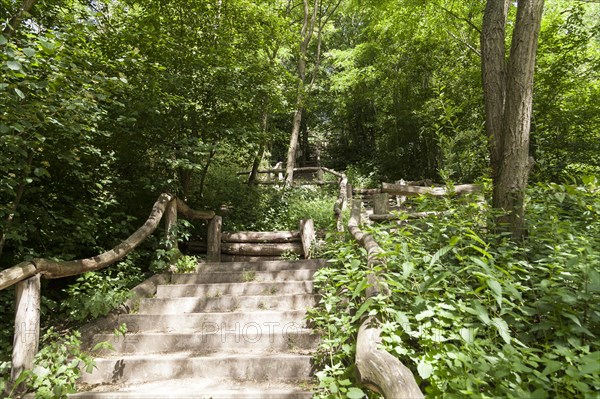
(251,338)
(226,303)
(197,322)
(243,367)
(246,276)
(216,290)
(198,388)
(263,266)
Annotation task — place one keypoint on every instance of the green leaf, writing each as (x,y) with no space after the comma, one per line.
(496,289)
(425,314)
(502,328)
(355,393)
(14,65)
(360,288)
(407,269)
(425,369)
(363,308)
(441,252)
(20,93)
(3,40)
(29,52)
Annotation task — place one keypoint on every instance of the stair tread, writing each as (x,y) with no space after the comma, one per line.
(198,388)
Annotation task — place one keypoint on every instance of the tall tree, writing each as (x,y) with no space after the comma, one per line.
(315,17)
(508,94)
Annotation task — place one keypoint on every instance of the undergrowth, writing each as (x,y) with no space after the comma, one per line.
(471,312)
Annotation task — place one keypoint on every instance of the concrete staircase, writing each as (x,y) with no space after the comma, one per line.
(230,330)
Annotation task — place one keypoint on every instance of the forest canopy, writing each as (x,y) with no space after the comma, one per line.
(107,103)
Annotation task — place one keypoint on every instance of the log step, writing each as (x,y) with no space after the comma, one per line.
(226,304)
(246,276)
(201,389)
(216,290)
(263,266)
(194,322)
(242,367)
(250,337)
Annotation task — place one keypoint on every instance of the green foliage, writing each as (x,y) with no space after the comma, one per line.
(57,366)
(471,312)
(95,294)
(185,264)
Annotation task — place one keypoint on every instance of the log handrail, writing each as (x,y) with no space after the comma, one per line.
(378,369)
(406,190)
(52,269)
(26,275)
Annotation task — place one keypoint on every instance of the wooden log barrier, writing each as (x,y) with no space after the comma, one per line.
(27,325)
(213,251)
(406,190)
(261,249)
(261,236)
(378,369)
(308,237)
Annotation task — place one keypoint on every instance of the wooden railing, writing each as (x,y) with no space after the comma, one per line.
(378,369)
(26,275)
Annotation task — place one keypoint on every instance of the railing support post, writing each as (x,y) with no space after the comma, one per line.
(307,234)
(213,253)
(380,204)
(27,325)
(170,224)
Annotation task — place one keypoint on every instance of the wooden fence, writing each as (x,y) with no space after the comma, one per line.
(26,275)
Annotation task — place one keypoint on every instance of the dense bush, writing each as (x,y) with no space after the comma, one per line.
(472,312)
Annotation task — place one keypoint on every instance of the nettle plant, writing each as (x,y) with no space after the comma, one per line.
(471,311)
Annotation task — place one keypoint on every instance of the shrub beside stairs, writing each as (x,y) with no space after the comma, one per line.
(230,330)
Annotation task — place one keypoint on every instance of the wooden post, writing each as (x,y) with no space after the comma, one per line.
(380,204)
(170,223)
(349,192)
(27,325)
(279,165)
(213,252)
(320,175)
(307,233)
(400,199)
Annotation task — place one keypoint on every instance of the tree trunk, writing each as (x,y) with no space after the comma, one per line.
(261,150)
(308,27)
(13,24)
(508,94)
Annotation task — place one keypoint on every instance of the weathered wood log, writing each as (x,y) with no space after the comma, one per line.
(298,183)
(247,258)
(262,249)
(16,273)
(379,370)
(303,169)
(213,251)
(380,204)
(261,236)
(27,325)
(400,199)
(52,269)
(170,223)
(307,233)
(407,215)
(407,190)
(366,191)
(340,203)
(184,210)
